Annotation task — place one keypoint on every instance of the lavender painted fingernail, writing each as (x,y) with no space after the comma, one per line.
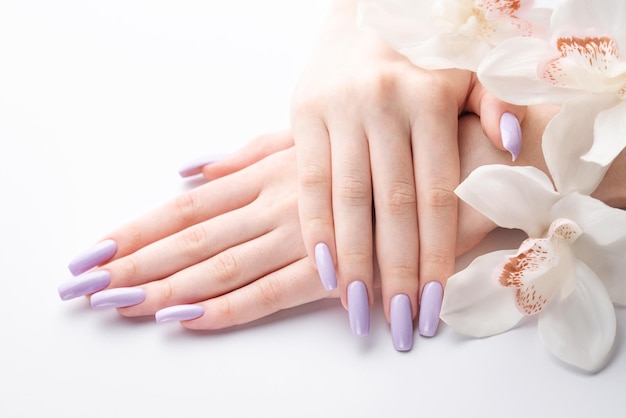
(179,313)
(401,322)
(511,132)
(430,308)
(325,266)
(194,167)
(120,297)
(99,253)
(84,284)
(358,308)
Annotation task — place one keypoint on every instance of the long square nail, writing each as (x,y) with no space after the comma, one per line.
(120,297)
(94,256)
(401,319)
(430,308)
(358,308)
(84,284)
(325,266)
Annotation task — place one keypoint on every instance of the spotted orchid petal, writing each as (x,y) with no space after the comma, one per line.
(509,72)
(512,197)
(580,328)
(474,302)
(542,267)
(569,136)
(603,245)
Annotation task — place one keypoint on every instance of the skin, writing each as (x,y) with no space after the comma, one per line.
(241,255)
(370,126)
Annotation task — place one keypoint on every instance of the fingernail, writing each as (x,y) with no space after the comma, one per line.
(99,253)
(401,322)
(118,298)
(325,266)
(430,309)
(84,284)
(511,132)
(358,308)
(179,313)
(194,167)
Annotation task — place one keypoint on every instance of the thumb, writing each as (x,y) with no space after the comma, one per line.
(500,120)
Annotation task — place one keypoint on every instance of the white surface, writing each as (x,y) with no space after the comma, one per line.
(100,102)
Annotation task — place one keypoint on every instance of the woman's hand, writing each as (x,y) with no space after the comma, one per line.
(369,125)
(231,246)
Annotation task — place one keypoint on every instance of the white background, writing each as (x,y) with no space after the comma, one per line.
(100,103)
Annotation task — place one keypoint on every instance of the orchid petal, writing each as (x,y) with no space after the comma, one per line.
(512,197)
(604,224)
(609,135)
(475,304)
(446,50)
(603,245)
(609,264)
(535,23)
(580,328)
(509,72)
(537,271)
(567,137)
(406,27)
(609,18)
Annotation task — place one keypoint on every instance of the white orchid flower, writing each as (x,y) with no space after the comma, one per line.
(439,34)
(567,273)
(582,68)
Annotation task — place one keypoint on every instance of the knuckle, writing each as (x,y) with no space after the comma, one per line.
(406,273)
(401,199)
(358,258)
(186,207)
(167,292)
(128,269)
(383,84)
(193,242)
(269,294)
(225,312)
(441,198)
(225,267)
(134,236)
(436,260)
(312,177)
(317,224)
(354,191)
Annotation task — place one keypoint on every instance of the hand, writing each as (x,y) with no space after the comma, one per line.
(370,125)
(232,246)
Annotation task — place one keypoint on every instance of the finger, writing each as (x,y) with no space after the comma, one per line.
(196,205)
(224,272)
(352,212)
(436,162)
(189,247)
(290,286)
(315,204)
(257,149)
(395,205)
(204,202)
(500,120)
